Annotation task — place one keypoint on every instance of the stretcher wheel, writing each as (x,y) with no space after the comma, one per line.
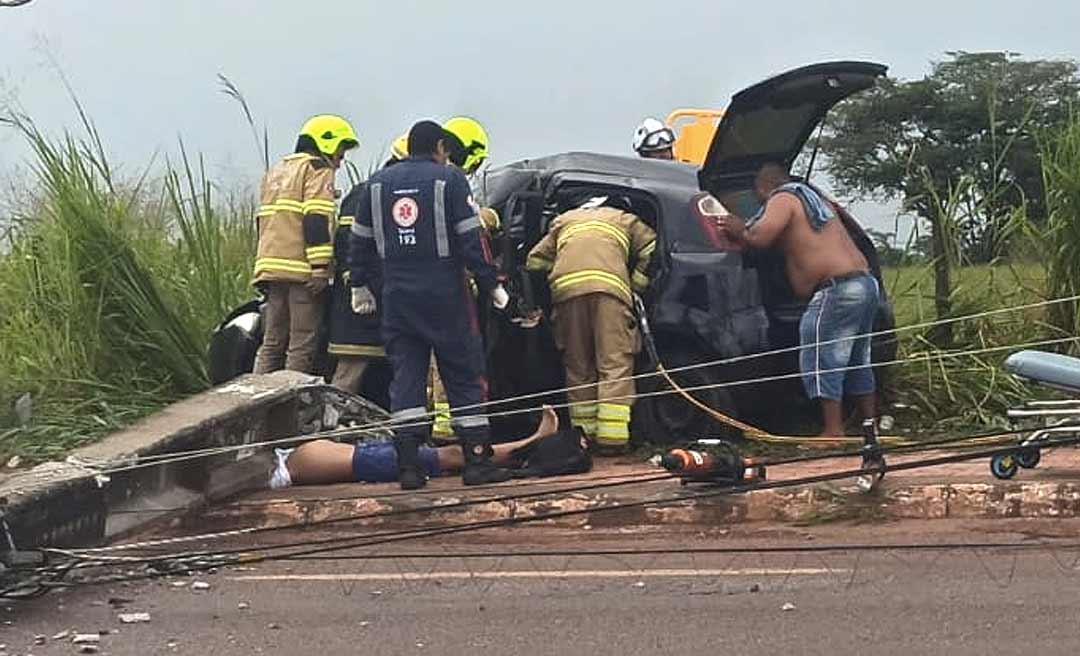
(1029,458)
(1004,466)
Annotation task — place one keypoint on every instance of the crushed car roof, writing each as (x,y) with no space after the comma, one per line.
(633,172)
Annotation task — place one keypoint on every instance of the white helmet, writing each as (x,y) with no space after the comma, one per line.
(653,135)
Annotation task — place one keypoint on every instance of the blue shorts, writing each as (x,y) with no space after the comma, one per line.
(376,462)
(834,334)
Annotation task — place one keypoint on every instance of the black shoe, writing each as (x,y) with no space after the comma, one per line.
(479,470)
(411,478)
(411,475)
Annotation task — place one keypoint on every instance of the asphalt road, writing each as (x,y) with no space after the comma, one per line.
(965,601)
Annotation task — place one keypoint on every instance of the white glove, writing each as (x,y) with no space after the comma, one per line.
(500,298)
(363,301)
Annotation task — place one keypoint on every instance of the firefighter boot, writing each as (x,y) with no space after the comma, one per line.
(479,470)
(411,474)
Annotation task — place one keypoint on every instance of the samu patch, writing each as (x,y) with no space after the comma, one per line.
(405,212)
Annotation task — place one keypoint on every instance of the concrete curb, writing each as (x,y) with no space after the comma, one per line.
(73,503)
(896,499)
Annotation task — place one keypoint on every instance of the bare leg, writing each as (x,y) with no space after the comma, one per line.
(321,462)
(867,406)
(451,460)
(833,415)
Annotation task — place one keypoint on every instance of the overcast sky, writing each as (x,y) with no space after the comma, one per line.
(542,76)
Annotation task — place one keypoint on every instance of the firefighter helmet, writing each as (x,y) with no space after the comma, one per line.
(652,136)
(471,147)
(330,132)
(399,150)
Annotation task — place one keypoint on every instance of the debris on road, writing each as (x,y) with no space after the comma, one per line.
(134,618)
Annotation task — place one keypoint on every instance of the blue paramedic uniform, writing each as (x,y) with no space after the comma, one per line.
(418,220)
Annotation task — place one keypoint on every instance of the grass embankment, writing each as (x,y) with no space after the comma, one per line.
(109,290)
(973,390)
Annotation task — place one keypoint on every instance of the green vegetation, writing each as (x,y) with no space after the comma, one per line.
(109,289)
(972,391)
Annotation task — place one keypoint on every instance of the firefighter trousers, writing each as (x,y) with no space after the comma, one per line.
(293,320)
(349,372)
(597,336)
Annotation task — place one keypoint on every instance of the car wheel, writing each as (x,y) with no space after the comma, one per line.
(662,416)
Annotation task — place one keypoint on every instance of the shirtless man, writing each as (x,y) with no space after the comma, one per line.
(824,266)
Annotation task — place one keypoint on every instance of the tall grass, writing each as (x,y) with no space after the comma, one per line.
(109,289)
(1058,240)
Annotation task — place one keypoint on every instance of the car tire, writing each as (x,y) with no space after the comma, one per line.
(668,418)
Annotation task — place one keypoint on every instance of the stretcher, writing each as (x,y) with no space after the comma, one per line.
(1058,419)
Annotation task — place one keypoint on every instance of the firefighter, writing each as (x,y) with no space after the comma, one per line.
(418,218)
(292,265)
(468,143)
(468,150)
(355,339)
(654,140)
(596,257)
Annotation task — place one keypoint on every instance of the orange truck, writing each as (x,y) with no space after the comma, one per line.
(694,130)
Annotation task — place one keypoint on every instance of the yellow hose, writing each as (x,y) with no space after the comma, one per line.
(759,435)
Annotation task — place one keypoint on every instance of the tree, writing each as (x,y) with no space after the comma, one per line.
(959,148)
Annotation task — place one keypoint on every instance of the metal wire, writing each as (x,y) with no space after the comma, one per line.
(330,545)
(182,456)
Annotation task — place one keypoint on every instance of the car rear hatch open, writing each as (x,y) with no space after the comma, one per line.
(772,120)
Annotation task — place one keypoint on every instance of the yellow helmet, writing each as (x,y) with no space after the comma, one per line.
(330,132)
(400,148)
(472,150)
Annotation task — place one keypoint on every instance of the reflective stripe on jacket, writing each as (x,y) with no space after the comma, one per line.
(296,207)
(591,250)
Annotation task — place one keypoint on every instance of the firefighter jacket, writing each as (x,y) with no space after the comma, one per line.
(419,220)
(351,333)
(294,220)
(594,250)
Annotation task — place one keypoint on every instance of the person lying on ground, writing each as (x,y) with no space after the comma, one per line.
(323,462)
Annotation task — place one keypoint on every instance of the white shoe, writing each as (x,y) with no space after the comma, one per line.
(279,478)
